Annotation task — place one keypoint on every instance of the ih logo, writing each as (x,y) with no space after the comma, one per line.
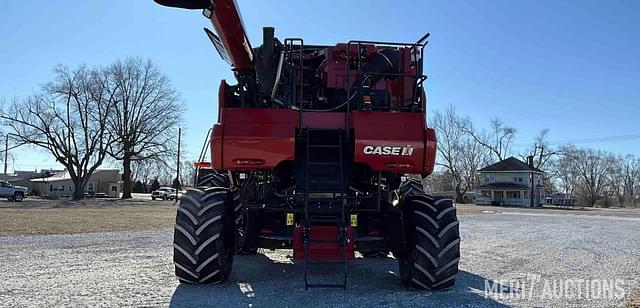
(388,150)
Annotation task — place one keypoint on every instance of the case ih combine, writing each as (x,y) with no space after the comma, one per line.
(310,153)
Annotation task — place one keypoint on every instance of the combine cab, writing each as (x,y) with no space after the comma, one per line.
(314,150)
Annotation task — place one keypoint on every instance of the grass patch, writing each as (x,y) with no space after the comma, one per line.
(60,217)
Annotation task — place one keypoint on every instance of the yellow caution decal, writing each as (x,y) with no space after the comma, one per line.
(289,219)
(354,220)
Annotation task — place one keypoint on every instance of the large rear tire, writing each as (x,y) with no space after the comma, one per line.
(216,179)
(432,236)
(204,236)
(411,187)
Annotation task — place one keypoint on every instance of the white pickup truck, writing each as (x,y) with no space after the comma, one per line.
(12,193)
(164,193)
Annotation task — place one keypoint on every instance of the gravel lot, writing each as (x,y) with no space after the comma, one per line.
(133,268)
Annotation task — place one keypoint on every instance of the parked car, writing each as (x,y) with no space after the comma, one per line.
(164,193)
(12,193)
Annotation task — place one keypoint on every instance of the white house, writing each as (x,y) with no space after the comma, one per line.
(511,182)
(103,182)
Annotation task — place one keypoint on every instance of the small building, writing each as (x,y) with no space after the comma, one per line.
(23,178)
(511,182)
(103,182)
(561,199)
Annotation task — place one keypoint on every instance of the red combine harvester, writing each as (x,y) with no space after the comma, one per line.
(312,151)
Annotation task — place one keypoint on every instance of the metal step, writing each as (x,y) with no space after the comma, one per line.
(326,285)
(333,209)
(326,262)
(336,241)
(325,220)
(323,163)
(325,182)
(326,146)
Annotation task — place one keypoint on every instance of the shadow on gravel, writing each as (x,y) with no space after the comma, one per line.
(259,280)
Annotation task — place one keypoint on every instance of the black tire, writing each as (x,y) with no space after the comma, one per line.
(222,180)
(18,196)
(214,180)
(411,187)
(433,239)
(375,253)
(204,236)
(153,198)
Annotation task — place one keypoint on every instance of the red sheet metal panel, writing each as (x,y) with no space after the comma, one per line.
(261,138)
(430,151)
(390,141)
(325,120)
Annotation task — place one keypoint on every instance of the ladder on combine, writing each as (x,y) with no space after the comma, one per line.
(326,235)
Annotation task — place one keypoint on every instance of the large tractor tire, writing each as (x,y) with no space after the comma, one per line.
(216,179)
(430,260)
(204,236)
(411,187)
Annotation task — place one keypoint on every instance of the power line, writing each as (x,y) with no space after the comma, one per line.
(587,140)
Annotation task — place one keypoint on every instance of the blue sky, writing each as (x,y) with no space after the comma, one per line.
(570,66)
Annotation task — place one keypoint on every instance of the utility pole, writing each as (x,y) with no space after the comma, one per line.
(6,153)
(178,165)
(532,177)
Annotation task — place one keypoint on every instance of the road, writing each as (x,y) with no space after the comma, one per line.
(133,268)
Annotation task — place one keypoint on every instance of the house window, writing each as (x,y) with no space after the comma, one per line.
(51,187)
(114,188)
(70,188)
(489,177)
(520,180)
(90,186)
(513,194)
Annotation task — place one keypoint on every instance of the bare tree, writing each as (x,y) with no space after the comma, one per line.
(540,150)
(187,173)
(150,169)
(593,169)
(459,154)
(498,139)
(562,170)
(145,117)
(438,181)
(542,154)
(68,119)
(626,177)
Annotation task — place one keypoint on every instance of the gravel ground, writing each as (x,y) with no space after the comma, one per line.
(133,268)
